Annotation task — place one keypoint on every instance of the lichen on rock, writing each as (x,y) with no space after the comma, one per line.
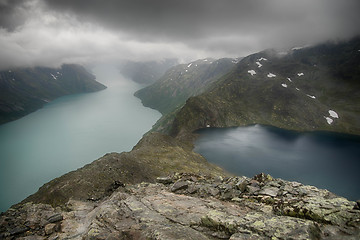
(155,211)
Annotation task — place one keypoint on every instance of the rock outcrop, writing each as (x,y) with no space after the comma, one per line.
(193,206)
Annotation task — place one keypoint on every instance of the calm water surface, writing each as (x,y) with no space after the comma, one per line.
(325,160)
(69,133)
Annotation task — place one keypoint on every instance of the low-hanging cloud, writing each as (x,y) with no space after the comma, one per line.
(51,32)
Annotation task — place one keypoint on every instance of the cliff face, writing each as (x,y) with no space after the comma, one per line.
(193,206)
(23,91)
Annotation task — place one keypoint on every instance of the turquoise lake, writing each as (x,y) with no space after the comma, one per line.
(68,133)
(322,159)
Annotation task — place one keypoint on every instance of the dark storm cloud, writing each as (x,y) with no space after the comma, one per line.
(272,22)
(159,18)
(55,31)
(12,13)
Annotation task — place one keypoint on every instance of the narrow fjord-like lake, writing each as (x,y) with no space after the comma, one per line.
(325,160)
(75,130)
(68,133)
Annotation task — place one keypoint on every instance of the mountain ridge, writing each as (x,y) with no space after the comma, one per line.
(183,81)
(25,90)
(283,91)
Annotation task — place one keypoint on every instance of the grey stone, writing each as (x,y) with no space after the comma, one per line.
(179,185)
(55,218)
(263,178)
(254,183)
(230,194)
(271,191)
(18,230)
(241,184)
(357,205)
(192,189)
(164,180)
(50,228)
(212,191)
(252,190)
(247,236)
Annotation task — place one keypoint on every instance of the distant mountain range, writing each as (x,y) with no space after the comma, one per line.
(24,90)
(180,82)
(305,89)
(146,72)
(183,81)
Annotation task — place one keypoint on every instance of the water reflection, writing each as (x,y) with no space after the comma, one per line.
(326,160)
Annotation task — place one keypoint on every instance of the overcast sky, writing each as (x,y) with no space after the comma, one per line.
(52,32)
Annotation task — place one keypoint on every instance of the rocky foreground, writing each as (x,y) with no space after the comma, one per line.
(192,206)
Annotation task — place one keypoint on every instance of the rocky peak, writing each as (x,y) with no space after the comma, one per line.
(193,206)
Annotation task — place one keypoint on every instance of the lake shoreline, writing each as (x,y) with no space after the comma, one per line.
(294,149)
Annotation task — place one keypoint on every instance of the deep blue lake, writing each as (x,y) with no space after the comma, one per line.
(322,159)
(68,133)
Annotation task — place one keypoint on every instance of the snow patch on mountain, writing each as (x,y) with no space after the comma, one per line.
(329,120)
(310,96)
(259,64)
(252,72)
(262,59)
(333,114)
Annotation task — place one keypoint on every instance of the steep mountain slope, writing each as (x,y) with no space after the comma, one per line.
(155,155)
(314,88)
(146,72)
(23,91)
(183,81)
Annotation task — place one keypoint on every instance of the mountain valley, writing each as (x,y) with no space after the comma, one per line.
(161,189)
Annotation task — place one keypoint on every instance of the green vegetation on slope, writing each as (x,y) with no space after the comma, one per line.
(295,91)
(183,81)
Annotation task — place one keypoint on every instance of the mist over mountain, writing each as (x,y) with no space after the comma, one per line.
(50,33)
(146,72)
(183,81)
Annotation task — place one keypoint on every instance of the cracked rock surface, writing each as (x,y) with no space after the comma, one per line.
(190,206)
